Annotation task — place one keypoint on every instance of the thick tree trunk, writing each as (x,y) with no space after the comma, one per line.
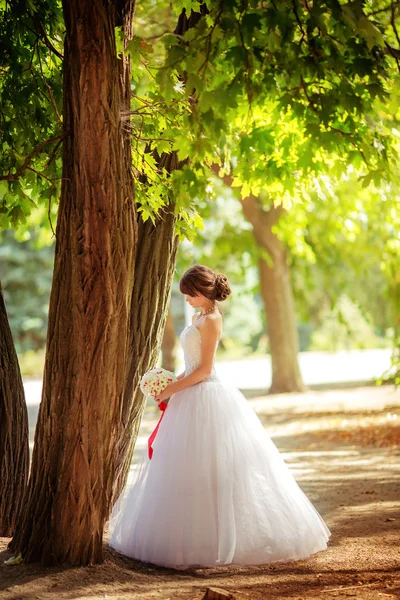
(276,291)
(14,436)
(278,301)
(154,270)
(79,423)
(168,344)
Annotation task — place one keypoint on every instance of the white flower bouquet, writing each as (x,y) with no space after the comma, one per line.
(155,381)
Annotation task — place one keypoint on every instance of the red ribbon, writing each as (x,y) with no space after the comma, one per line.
(162,406)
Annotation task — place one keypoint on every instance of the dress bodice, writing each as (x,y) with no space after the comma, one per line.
(191,344)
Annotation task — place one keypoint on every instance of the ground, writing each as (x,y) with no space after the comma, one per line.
(344,449)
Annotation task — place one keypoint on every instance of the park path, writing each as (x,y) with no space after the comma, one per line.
(344,449)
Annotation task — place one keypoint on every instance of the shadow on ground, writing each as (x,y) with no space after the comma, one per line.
(355,487)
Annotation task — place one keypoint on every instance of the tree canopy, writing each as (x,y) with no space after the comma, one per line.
(276,92)
(297,99)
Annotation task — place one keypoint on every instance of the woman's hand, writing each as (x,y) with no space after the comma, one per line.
(164,395)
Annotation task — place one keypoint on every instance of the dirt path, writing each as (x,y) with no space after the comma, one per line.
(344,448)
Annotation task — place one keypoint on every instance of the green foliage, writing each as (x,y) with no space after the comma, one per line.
(26,276)
(244,327)
(281,92)
(345,328)
(226,242)
(30,107)
(345,240)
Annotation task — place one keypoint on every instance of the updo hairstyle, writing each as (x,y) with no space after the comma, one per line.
(202,280)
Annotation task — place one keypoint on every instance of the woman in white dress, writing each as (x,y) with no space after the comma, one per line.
(216,491)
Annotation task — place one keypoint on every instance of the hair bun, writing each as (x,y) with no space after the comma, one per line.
(222,289)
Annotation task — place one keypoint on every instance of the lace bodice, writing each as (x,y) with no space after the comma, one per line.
(191,344)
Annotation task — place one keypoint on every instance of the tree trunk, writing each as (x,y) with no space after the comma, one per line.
(154,270)
(276,292)
(79,423)
(168,344)
(14,436)
(278,301)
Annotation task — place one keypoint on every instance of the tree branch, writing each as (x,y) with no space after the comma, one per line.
(209,44)
(393,23)
(311,105)
(52,155)
(248,66)
(46,40)
(381,10)
(296,14)
(49,88)
(28,159)
(394,53)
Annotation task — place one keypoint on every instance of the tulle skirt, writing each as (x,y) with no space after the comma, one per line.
(216,491)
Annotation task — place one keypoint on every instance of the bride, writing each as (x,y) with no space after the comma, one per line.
(216,491)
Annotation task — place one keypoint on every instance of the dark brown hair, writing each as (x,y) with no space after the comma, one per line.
(202,280)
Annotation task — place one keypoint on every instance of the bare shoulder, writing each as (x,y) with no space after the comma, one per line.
(212,324)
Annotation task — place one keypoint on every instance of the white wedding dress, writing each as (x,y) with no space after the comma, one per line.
(216,491)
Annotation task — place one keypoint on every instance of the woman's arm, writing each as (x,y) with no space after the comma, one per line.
(209,332)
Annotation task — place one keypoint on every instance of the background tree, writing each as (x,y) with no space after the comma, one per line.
(14,448)
(168,344)
(276,292)
(26,272)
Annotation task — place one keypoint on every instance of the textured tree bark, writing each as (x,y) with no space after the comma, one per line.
(168,344)
(154,270)
(79,424)
(14,436)
(276,292)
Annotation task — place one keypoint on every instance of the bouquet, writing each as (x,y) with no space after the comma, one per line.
(155,381)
